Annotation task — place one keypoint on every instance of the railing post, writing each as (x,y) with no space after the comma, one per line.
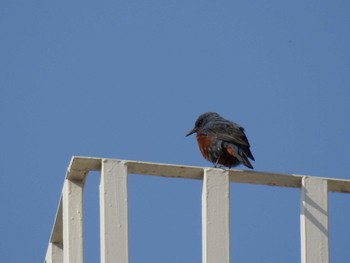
(314,220)
(215,216)
(72,221)
(114,212)
(54,253)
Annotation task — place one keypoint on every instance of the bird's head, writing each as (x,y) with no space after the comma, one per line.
(203,120)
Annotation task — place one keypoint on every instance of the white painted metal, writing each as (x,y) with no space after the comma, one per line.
(114,212)
(54,253)
(314,220)
(215,216)
(79,166)
(72,221)
(67,232)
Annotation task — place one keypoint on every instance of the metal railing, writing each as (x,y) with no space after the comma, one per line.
(66,241)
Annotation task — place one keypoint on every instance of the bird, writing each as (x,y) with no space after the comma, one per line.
(221,141)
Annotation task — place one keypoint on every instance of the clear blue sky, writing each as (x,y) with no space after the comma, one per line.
(127,79)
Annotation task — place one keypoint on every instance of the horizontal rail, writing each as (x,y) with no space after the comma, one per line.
(80,166)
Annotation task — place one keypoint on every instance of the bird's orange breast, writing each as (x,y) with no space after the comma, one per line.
(203,144)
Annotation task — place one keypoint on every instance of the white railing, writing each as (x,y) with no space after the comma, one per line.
(66,241)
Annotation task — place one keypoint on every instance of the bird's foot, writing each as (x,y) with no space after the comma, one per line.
(220,166)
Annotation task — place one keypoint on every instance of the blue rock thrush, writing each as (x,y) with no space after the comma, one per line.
(221,141)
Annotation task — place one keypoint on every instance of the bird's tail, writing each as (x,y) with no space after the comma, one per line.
(242,154)
(246,162)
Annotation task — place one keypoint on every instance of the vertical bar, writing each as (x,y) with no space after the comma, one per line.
(314,220)
(73,221)
(215,216)
(114,212)
(54,253)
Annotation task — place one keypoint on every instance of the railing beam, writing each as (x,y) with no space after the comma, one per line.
(314,220)
(215,216)
(114,212)
(54,253)
(72,198)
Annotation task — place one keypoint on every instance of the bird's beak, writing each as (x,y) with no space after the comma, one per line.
(191,132)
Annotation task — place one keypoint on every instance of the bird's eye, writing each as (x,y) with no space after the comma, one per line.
(199,123)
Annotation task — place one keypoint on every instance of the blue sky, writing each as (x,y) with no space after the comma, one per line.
(127,79)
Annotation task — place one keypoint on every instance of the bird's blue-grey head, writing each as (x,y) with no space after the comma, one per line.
(202,120)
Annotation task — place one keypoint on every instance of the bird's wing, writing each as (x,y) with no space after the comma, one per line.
(231,133)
